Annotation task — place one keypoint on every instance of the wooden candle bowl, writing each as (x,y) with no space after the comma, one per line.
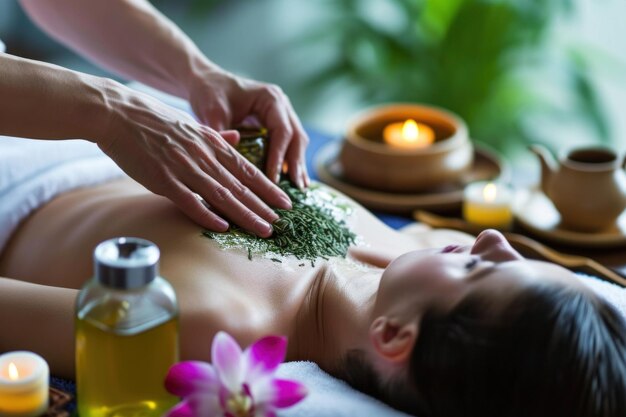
(367,161)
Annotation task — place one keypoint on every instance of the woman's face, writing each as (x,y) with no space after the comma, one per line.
(437,280)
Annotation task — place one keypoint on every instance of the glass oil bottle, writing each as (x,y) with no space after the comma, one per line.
(126,333)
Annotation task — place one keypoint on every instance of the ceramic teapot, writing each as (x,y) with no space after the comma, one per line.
(587,186)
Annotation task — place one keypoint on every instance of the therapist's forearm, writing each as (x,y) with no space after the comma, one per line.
(43,101)
(129,37)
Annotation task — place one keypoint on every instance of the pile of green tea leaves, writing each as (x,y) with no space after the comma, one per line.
(314,228)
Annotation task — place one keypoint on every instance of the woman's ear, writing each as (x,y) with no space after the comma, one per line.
(393,341)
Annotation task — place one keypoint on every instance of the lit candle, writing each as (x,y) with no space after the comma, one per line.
(23,384)
(488,204)
(408,135)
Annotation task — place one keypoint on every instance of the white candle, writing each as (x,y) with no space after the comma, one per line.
(488,204)
(23,384)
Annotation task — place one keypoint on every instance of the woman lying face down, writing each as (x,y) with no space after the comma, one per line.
(463,331)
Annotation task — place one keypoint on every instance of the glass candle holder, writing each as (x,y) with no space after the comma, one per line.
(488,204)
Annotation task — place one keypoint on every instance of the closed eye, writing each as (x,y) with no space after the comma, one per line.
(471,264)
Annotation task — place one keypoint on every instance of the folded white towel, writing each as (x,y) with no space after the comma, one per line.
(33,172)
(613,293)
(329,396)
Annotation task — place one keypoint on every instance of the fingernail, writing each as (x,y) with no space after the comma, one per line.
(285,203)
(273,217)
(300,184)
(222,225)
(263,227)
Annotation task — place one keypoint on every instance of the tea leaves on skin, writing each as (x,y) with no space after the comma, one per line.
(314,228)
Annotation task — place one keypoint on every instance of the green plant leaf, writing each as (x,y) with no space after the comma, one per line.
(588,100)
(477,58)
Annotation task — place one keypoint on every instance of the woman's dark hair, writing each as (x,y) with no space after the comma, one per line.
(552,351)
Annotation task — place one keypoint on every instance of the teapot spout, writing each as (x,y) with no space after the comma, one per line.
(548,164)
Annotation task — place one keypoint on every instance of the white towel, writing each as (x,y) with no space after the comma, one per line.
(329,396)
(613,293)
(33,172)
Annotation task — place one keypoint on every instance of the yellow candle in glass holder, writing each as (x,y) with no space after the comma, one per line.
(23,384)
(488,205)
(408,135)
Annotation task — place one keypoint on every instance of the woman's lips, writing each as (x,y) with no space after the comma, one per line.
(450,248)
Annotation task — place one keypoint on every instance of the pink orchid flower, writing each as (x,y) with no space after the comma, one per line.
(238,384)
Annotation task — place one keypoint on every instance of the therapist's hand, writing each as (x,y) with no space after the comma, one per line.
(221,100)
(171,154)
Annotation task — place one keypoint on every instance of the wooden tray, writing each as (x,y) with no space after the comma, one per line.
(535,213)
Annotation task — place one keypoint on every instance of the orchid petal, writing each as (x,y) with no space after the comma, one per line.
(267,353)
(262,388)
(187,377)
(287,393)
(183,409)
(205,405)
(227,356)
(264,412)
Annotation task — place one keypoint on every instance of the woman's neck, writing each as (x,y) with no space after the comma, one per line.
(335,314)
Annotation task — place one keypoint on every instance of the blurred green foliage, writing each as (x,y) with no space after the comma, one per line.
(490,61)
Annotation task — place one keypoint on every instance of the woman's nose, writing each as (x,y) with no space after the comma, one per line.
(492,246)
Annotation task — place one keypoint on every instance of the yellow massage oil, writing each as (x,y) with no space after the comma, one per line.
(134,385)
(126,331)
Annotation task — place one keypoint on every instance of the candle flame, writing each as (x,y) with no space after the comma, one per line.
(408,134)
(489,192)
(410,131)
(13,373)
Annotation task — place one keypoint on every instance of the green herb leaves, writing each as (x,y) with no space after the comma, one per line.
(312,229)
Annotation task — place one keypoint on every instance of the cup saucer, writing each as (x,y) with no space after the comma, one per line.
(487,166)
(535,212)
